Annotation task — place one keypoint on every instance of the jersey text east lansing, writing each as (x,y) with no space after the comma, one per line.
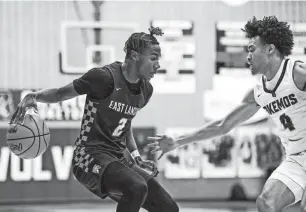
(123,108)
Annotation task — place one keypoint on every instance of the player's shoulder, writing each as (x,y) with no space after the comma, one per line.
(105,71)
(299,74)
(115,66)
(299,67)
(98,71)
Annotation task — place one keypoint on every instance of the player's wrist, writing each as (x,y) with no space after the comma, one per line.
(181,140)
(135,154)
(31,102)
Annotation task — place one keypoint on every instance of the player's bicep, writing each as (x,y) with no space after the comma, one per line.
(241,113)
(67,92)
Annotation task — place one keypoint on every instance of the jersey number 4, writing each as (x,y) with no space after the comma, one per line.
(286,122)
(119,129)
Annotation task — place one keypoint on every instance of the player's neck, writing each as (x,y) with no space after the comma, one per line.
(129,74)
(273,68)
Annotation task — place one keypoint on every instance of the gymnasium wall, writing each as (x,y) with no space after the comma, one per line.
(31,39)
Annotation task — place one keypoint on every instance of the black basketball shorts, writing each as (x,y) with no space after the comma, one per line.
(89,166)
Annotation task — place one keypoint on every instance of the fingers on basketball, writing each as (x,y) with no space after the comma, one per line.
(18,113)
(21,118)
(13,119)
(28,140)
(22,110)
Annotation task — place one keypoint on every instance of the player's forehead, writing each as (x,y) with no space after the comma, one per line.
(255,42)
(154,49)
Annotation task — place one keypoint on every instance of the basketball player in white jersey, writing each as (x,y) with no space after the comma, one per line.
(281,92)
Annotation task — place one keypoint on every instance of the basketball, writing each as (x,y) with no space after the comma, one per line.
(30,139)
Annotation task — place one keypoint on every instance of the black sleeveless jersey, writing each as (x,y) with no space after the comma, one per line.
(106,121)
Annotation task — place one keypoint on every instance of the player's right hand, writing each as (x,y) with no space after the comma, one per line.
(162,143)
(29,101)
(147,165)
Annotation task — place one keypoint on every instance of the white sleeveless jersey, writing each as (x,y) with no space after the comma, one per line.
(286,105)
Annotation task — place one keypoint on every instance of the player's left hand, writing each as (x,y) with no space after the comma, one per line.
(28,102)
(147,165)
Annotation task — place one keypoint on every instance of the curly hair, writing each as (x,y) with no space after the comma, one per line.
(271,31)
(140,40)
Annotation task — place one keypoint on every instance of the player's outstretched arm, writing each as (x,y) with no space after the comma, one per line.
(241,113)
(97,82)
(46,95)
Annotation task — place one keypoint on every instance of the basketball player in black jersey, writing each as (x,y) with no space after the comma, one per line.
(115,93)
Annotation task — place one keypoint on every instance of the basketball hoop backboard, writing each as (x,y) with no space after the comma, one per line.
(78,44)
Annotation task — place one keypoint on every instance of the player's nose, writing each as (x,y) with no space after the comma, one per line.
(157,66)
(249,59)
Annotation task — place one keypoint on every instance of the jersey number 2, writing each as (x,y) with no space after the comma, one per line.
(117,132)
(286,122)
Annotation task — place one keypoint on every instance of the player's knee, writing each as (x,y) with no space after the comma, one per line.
(265,203)
(138,191)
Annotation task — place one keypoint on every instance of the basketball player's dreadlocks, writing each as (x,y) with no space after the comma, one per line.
(139,41)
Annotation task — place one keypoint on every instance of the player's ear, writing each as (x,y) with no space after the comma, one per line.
(271,48)
(134,55)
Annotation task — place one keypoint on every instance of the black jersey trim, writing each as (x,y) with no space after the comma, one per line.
(273,92)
